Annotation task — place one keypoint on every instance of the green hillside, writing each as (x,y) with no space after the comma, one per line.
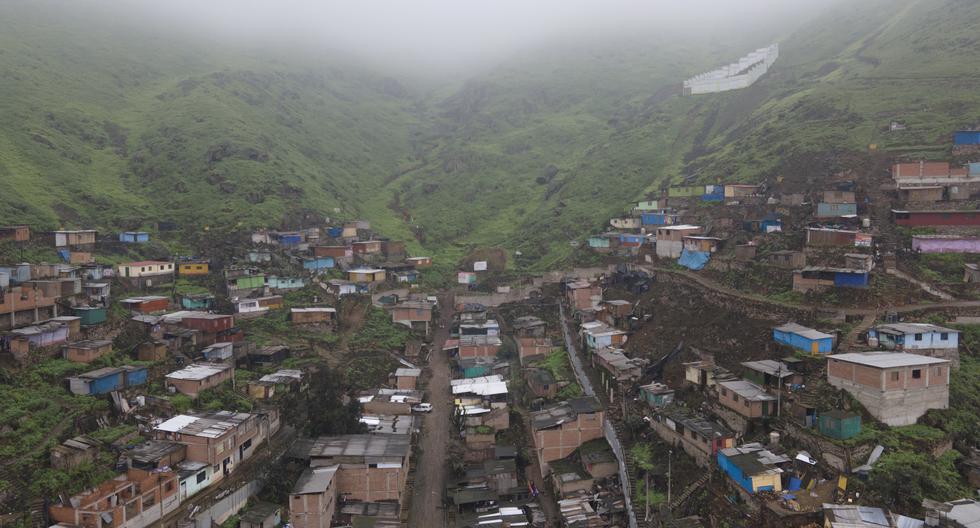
(118,126)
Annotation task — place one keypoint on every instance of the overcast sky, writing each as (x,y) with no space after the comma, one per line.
(448,33)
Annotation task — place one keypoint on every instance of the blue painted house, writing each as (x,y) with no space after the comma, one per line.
(658,218)
(803,338)
(910,337)
(966,137)
(844,278)
(630,240)
(599,242)
(317,264)
(106,380)
(833,210)
(290,239)
(713,193)
(771,224)
(657,394)
(839,424)
(335,232)
(201,302)
(753,468)
(134,237)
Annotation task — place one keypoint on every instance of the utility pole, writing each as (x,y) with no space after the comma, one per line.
(779,393)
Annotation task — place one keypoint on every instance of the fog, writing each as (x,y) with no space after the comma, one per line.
(455,33)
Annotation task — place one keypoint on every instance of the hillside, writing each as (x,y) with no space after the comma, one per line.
(169,127)
(530,156)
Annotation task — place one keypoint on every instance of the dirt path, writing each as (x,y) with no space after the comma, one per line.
(707,283)
(430,478)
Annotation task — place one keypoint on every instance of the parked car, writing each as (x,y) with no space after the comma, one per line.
(422,407)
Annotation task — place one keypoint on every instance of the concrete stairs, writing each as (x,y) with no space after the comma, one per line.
(39,514)
(688,491)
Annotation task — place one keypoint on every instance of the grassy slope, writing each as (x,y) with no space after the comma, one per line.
(167,127)
(96,133)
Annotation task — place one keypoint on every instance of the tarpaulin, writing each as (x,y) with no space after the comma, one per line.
(694,260)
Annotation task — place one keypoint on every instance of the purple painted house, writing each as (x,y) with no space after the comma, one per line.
(945,244)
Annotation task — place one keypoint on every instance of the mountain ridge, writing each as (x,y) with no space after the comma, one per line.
(530,156)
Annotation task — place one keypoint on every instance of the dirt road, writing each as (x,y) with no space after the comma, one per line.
(710,284)
(430,476)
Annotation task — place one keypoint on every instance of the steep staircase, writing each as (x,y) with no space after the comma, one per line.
(688,491)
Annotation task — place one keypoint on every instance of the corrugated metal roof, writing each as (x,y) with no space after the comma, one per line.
(887,359)
(315,480)
(769,366)
(747,390)
(913,328)
(798,329)
(198,371)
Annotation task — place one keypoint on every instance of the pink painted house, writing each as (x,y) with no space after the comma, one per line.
(945,244)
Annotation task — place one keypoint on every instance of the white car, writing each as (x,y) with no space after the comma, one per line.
(422,407)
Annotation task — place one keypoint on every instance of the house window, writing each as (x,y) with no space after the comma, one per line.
(735,397)
(944,336)
(724,392)
(918,337)
(916,373)
(202,476)
(746,403)
(169,485)
(894,375)
(143,268)
(216,468)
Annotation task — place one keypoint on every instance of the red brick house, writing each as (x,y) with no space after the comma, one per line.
(560,429)
(133,499)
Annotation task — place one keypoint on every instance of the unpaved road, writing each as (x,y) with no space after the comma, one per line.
(430,475)
(712,285)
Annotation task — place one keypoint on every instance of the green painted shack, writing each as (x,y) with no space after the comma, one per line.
(249,282)
(839,424)
(657,394)
(686,191)
(90,316)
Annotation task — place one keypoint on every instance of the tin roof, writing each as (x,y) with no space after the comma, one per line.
(695,422)
(747,390)
(770,367)
(913,328)
(198,371)
(315,480)
(885,360)
(809,333)
(283,376)
(565,411)
(389,423)
(361,446)
(210,425)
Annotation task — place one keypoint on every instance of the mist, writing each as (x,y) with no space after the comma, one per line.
(447,35)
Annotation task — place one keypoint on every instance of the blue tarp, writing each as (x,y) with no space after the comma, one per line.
(65,255)
(694,260)
(795,484)
(966,137)
(856,279)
